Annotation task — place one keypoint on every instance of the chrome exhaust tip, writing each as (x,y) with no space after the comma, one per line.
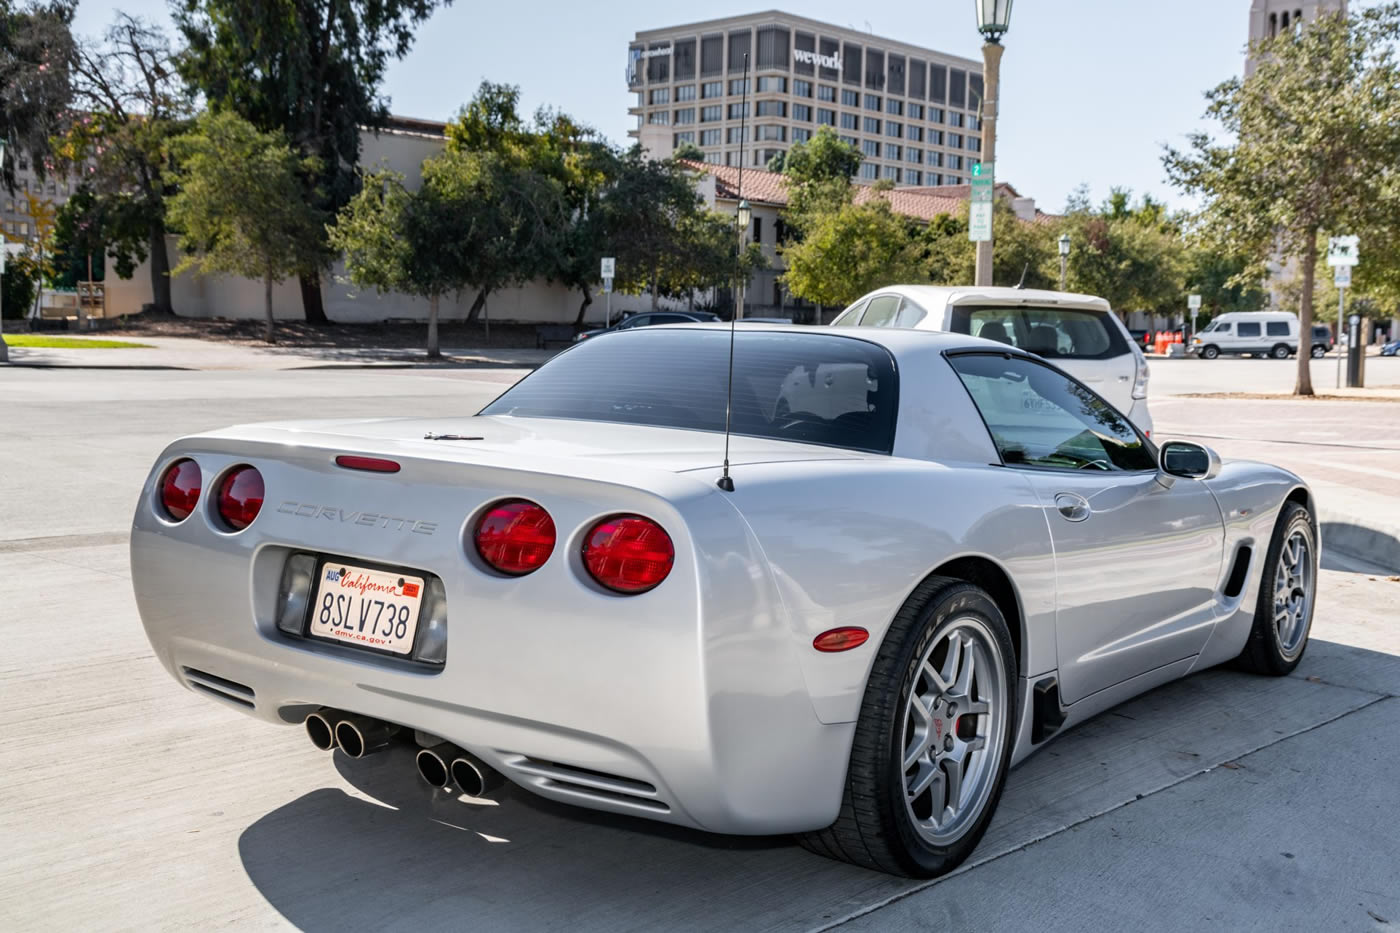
(320,728)
(359,736)
(433,765)
(474,777)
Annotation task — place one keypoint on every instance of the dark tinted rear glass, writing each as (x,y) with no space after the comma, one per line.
(1054,333)
(808,387)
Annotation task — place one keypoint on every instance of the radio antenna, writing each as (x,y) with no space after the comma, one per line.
(725,481)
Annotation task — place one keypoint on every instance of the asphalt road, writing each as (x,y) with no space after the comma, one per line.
(1224,800)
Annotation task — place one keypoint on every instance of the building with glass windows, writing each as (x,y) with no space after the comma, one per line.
(911,111)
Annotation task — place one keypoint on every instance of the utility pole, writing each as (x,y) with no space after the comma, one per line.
(991,68)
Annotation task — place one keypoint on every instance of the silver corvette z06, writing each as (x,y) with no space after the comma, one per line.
(931,553)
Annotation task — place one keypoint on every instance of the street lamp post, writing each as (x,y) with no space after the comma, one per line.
(744,217)
(993,19)
(1064,258)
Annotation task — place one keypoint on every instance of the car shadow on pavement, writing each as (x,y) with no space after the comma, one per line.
(393,853)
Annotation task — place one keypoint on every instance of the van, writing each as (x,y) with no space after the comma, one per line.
(1274,333)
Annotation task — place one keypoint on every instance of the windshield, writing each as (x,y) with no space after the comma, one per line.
(811,388)
(1054,333)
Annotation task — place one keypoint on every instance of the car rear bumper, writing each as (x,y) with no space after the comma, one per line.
(686,720)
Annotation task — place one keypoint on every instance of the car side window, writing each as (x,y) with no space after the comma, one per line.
(881,311)
(1041,418)
(636,320)
(909,314)
(1276,328)
(1248,329)
(851,316)
(1223,328)
(669,319)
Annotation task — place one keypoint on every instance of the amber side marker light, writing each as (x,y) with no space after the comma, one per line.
(841,639)
(368,464)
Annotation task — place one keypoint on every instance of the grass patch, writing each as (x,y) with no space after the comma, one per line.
(49,342)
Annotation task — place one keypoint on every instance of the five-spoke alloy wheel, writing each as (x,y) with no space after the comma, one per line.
(933,741)
(1287,593)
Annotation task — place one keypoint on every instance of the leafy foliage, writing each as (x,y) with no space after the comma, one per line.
(131,104)
(238,206)
(1132,255)
(851,250)
(1022,249)
(1311,142)
(308,68)
(689,152)
(36,52)
(818,175)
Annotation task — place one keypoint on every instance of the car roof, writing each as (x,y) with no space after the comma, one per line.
(896,339)
(938,296)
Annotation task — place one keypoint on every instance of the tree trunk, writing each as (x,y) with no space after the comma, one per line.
(1305,317)
(433,351)
(268,334)
(587,300)
(160,270)
(311,301)
(476,307)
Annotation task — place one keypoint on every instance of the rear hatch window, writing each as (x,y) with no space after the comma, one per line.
(810,388)
(1053,333)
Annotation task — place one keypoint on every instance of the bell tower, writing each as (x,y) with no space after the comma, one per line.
(1269,18)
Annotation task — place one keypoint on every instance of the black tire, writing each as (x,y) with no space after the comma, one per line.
(1210,351)
(1318,351)
(1264,653)
(874,829)
(1280,351)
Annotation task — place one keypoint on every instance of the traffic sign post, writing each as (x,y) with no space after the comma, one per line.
(609,266)
(1341,277)
(979,213)
(1193,304)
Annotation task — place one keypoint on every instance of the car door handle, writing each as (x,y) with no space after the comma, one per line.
(1072,507)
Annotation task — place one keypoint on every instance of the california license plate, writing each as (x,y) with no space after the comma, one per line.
(367,608)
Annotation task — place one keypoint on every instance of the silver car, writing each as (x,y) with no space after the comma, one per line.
(915,559)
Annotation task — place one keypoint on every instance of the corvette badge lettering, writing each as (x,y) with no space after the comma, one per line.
(367,519)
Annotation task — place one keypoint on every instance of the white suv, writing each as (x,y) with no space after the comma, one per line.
(1080,333)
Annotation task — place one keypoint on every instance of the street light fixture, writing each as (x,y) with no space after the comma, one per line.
(993,20)
(1064,258)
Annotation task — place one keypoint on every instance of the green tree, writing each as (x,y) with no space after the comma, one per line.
(818,175)
(395,240)
(851,250)
(1311,142)
(131,105)
(239,205)
(1131,255)
(692,153)
(36,53)
(1026,252)
(309,68)
(1221,280)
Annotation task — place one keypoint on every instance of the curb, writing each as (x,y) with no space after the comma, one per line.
(1357,538)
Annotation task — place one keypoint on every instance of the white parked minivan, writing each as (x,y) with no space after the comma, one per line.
(1274,333)
(1079,333)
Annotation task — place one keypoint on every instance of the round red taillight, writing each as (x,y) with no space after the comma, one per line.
(180,488)
(515,536)
(628,553)
(240,497)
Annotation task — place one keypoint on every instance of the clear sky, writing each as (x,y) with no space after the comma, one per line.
(1091,89)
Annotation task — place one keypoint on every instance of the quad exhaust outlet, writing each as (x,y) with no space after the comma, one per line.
(445,765)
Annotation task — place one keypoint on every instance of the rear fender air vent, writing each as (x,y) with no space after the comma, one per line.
(219,687)
(1234,584)
(587,783)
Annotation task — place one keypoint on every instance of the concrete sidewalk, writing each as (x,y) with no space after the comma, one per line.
(192,354)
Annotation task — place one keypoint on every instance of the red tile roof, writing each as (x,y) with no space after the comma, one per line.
(920,202)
